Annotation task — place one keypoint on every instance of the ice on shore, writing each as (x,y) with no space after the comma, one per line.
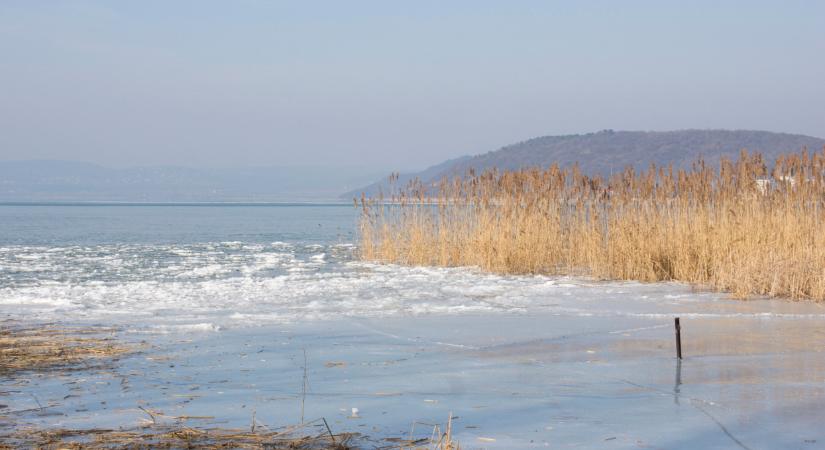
(509,380)
(231,284)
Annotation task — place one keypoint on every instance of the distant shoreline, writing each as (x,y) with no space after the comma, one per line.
(116,203)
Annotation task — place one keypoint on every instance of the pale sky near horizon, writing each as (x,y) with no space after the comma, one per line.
(391,85)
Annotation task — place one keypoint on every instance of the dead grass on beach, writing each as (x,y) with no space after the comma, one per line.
(172,437)
(179,436)
(51,347)
(742,227)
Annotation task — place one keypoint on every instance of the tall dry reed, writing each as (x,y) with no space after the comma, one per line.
(738,226)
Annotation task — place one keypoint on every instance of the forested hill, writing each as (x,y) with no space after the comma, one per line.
(610,151)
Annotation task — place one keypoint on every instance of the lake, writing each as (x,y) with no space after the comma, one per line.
(227,299)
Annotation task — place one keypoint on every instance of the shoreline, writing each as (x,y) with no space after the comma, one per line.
(187,203)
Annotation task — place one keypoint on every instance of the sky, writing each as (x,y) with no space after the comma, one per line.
(390,85)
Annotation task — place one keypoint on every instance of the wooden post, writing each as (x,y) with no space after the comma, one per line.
(678,339)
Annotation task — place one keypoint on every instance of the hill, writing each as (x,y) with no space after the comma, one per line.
(610,151)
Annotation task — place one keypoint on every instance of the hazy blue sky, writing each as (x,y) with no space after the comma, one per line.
(391,84)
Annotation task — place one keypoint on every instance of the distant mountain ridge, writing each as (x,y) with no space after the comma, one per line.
(610,151)
(72,181)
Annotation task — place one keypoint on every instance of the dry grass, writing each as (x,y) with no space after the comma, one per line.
(179,436)
(49,347)
(743,227)
(438,440)
(171,437)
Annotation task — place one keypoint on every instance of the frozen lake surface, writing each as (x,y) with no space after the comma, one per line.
(228,300)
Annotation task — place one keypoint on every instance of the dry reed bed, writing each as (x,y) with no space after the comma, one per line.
(741,226)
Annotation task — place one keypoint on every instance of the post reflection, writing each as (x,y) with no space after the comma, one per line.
(677,385)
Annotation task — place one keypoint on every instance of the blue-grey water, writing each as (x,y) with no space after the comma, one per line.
(91,224)
(227,298)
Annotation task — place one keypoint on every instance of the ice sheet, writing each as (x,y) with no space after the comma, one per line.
(510,380)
